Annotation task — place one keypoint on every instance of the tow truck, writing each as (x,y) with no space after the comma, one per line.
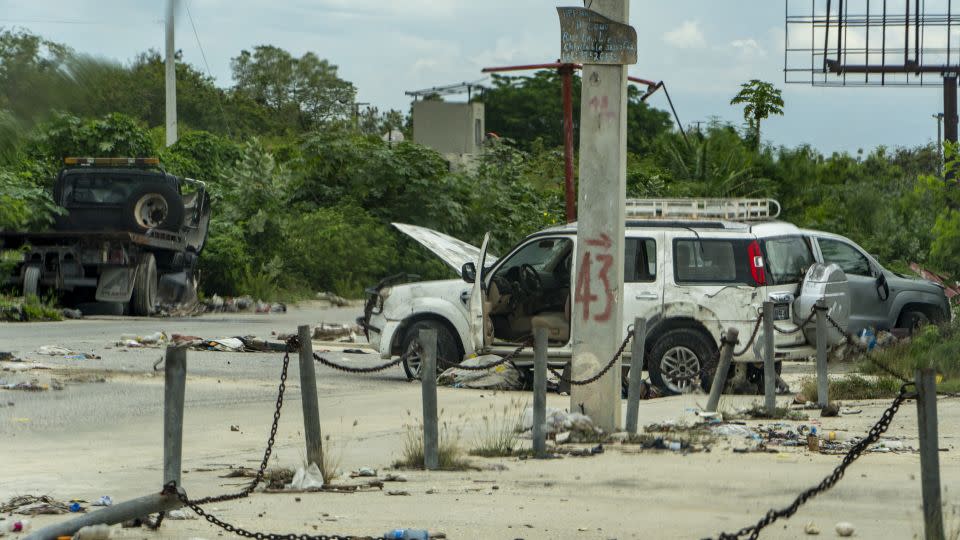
(130,236)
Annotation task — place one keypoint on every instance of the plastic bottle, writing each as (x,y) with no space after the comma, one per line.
(407,534)
(16,525)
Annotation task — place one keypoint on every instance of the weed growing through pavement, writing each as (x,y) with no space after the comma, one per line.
(449,450)
(853,387)
(757,411)
(499,435)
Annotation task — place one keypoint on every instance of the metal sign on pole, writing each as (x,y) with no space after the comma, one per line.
(600,38)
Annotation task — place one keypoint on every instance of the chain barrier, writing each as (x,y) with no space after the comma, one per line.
(500,362)
(808,320)
(602,372)
(349,369)
(753,531)
(753,336)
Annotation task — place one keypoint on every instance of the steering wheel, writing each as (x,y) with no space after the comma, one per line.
(530,279)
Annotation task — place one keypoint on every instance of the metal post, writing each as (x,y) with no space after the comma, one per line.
(566,77)
(175,379)
(769,367)
(636,374)
(723,369)
(823,381)
(308,398)
(118,513)
(171,80)
(929,453)
(428,385)
(598,295)
(539,391)
(950,108)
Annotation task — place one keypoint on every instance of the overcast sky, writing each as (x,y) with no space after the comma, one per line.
(703,49)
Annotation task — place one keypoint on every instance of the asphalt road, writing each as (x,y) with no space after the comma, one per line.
(133,389)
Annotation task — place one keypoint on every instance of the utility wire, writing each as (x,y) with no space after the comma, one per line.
(203,55)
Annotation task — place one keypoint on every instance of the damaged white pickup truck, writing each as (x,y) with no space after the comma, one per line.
(689,273)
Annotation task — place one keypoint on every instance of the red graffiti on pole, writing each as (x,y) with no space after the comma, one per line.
(584,295)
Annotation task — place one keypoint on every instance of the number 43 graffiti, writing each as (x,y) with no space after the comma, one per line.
(584,295)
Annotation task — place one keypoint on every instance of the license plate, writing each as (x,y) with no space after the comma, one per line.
(781,312)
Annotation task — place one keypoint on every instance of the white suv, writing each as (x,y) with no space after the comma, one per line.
(690,277)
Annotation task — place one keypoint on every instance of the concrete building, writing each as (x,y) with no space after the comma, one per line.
(456,130)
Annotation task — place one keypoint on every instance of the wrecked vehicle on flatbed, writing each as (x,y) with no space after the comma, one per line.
(130,236)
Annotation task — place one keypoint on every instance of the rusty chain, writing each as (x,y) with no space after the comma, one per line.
(753,337)
(808,320)
(602,372)
(349,369)
(500,362)
(753,531)
(196,504)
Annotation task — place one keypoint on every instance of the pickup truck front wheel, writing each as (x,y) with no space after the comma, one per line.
(144,301)
(448,352)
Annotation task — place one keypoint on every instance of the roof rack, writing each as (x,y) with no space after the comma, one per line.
(726,209)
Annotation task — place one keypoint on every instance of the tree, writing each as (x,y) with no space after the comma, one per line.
(304,92)
(761,99)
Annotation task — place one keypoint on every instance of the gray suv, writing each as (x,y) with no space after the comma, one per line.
(879,298)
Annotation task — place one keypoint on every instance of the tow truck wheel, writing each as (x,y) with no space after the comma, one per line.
(144,301)
(31,280)
(448,351)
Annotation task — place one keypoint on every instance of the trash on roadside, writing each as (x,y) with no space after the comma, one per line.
(71,313)
(75,507)
(104,500)
(225,345)
(254,344)
(56,350)
(400,493)
(811,529)
(93,532)
(332,298)
(844,528)
(181,339)
(32,505)
(393,477)
(32,386)
(16,525)
(179,514)
(735,431)
(20,365)
(364,472)
(502,377)
(345,333)
(307,478)
(134,341)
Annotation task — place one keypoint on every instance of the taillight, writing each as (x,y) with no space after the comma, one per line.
(756,263)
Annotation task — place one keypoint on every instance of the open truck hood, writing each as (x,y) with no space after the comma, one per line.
(454,252)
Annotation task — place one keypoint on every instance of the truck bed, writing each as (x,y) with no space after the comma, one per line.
(154,239)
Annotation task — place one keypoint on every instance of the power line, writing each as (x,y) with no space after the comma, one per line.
(203,55)
(59,21)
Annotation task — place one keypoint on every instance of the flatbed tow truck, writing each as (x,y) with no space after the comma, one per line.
(130,236)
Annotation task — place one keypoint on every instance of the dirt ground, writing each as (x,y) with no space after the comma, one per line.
(104,438)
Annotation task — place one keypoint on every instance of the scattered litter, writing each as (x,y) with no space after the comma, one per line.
(71,313)
(224,345)
(559,421)
(850,411)
(55,350)
(32,386)
(356,351)
(393,477)
(400,493)
(93,532)
(345,333)
(364,472)
(105,500)
(75,507)
(811,529)
(20,365)
(134,341)
(17,526)
(179,514)
(180,339)
(502,377)
(830,410)
(581,452)
(734,431)
(234,428)
(31,505)
(307,478)
(845,529)
(333,299)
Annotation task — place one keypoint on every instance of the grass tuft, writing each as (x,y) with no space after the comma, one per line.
(450,452)
(499,435)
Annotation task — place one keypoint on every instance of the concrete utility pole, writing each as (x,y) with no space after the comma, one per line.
(597,317)
(171,80)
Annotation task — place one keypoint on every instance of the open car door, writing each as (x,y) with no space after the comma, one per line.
(477,305)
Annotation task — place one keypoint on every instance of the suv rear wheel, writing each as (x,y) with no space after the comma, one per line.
(448,350)
(680,358)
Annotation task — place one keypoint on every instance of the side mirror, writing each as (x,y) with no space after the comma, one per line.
(883,289)
(469,272)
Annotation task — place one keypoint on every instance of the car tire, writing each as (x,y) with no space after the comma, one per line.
(145,285)
(448,348)
(154,206)
(31,281)
(682,352)
(913,319)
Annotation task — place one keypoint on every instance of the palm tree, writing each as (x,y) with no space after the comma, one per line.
(761,99)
